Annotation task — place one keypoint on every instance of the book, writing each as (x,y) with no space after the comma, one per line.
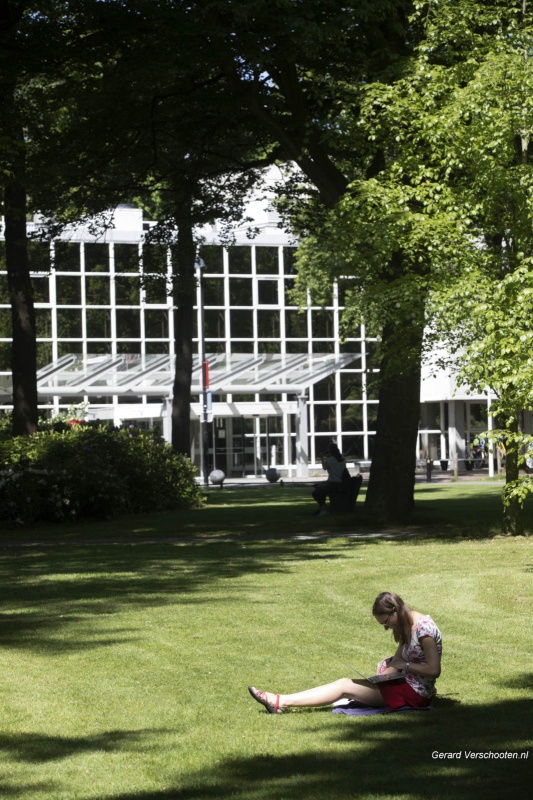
(384,678)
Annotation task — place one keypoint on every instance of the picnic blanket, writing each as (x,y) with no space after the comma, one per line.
(356,709)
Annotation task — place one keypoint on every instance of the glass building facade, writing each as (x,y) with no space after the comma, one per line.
(109,297)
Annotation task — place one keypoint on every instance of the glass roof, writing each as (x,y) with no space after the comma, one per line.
(239,373)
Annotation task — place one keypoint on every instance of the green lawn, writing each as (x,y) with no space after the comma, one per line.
(448,510)
(125,666)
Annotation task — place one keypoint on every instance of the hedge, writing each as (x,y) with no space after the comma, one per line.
(88,470)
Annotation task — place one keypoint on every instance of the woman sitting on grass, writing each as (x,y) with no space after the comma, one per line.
(416,661)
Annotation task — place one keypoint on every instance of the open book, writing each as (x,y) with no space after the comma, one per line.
(388,676)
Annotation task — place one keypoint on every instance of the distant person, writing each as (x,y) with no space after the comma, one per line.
(335,465)
(416,662)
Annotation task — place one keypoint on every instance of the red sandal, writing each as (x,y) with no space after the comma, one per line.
(272,708)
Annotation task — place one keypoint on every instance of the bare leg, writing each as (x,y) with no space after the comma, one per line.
(325,695)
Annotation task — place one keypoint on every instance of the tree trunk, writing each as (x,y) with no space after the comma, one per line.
(512,516)
(24,348)
(390,495)
(185,295)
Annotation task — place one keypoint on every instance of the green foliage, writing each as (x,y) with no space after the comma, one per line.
(484,312)
(440,157)
(6,425)
(91,471)
(143,116)
(497,327)
(436,225)
(400,228)
(488,324)
(517,491)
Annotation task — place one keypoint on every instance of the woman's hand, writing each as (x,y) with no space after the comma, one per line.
(393,663)
(382,666)
(398,663)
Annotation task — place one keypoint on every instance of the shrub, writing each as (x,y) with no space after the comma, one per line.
(92,470)
(6,425)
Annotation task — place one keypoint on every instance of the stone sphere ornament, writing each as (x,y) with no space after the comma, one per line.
(272,475)
(217,477)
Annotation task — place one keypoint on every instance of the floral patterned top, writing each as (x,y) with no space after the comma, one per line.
(413,652)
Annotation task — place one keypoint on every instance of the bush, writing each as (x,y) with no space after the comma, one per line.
(6,425)
(91,470)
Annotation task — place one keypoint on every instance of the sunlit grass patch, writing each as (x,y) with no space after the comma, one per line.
(124,669)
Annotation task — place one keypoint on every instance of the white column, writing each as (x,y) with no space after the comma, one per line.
(257,446)
(443,454)
(302,439)
(287,444)
(452,437)
(490,427)
(460,432)
(167,419)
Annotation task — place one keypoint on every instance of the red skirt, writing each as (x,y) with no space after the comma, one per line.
(397,695)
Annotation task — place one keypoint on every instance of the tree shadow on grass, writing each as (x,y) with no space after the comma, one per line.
(35,631)
(53,589)
(450,509)
(25,791)
(35,748)
(391,755)
(272,512)
(443,512)
(51,593)
(252,509)
(243,511)
(522,682)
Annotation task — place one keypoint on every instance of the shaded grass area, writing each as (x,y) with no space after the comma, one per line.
(450,509)
(124,670)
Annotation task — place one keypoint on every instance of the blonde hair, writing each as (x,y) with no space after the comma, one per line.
(388,603)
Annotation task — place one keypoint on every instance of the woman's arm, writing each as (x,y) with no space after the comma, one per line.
(431,667)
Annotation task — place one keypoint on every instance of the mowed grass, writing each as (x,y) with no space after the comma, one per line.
(442,510)
(125,666)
